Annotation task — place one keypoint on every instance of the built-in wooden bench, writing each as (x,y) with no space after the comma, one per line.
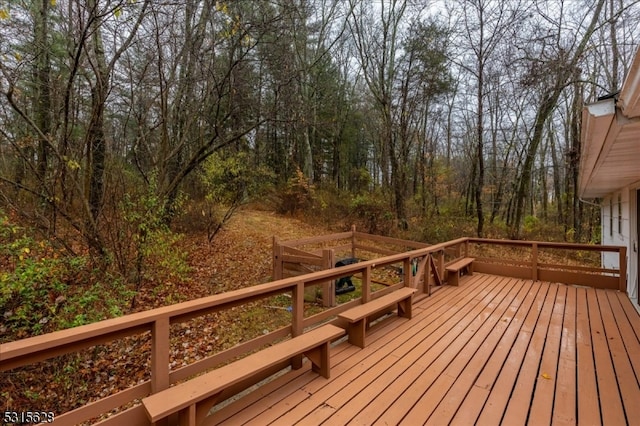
(454,270)
(194,398)
(357,317)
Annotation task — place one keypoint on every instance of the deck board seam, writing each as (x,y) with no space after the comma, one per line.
(469,317)
(495,334)
(469,354)
(454,313)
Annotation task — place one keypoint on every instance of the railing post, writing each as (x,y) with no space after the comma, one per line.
(297,319)
(534,261)
(366,284)
(328,290)
(277,260)
(622,255)
(160,355)
(427,275)
(466,248)
(407,269)
(353,241)
(441,263)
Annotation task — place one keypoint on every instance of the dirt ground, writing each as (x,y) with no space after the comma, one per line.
(243,248)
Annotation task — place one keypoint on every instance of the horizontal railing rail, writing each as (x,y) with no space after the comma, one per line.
(532,267)
(421,267)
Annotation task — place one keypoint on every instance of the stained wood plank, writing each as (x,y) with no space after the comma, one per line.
(545,384)
(588,403)
(276,389)
(632,314)
(380,346)
(256,403)
(185,394)
(421,379)
(609,396)
(499,397)
(474,355)
(461,374)
(260,408)
(629,389)
(629,339)
(373,410)
(520,396)
(377,305)
(564,405)
(325,402)
(472,405)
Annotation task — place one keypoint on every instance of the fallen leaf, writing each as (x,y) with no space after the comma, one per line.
(546,376)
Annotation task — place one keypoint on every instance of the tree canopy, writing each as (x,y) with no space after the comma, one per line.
(470,106)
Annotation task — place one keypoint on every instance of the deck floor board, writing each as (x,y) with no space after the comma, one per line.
(494,350)
(610,402)
(448,391)
(564,406)
(469,410)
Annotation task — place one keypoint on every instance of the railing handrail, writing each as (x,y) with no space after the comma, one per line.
(134,321)
(547,244)
(316,240)
(192,308)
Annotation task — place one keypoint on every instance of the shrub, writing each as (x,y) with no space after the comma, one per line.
(372,212)
(531,223)
(146,250)
(43,290)
(297,195)
(230,181)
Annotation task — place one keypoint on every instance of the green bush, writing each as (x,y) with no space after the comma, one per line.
(146,250)
(43,290)
(373,213)
(531,223)
(230,181)
(332,206)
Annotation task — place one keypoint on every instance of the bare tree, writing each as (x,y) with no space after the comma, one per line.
(485,25)
(551,76)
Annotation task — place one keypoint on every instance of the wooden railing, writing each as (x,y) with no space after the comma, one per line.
(422,268)
(532,265)
(294,258)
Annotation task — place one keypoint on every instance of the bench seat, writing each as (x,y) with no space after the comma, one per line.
(457,267)
(357,317)
(185,397)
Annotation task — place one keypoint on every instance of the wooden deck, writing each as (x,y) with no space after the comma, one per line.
(495,350)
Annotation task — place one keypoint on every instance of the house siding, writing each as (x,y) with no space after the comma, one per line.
(621,230)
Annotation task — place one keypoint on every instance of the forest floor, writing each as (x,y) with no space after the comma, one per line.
(239,256)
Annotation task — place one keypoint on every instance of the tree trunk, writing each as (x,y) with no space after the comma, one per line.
(549,100)
(557,189)
(42,105)
(95,140)
(480,150)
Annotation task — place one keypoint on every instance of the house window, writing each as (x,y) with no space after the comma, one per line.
(619,214)
(611,216)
